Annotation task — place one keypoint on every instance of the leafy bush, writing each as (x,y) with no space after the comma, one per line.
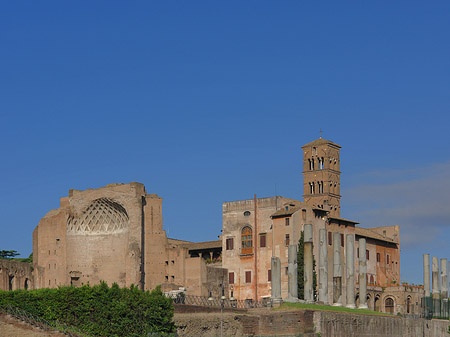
(99,310)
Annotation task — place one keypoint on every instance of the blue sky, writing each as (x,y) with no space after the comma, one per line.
(207,101)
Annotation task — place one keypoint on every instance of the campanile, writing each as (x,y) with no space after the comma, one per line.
(321,175)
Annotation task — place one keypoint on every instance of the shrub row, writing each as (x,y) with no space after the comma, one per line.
(98,310)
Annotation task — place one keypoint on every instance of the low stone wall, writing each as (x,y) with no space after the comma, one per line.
(332,324)
(306,323)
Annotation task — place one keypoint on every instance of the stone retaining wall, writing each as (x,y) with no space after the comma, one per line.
(306,323)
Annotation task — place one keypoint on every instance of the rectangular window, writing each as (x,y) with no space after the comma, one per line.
(248,277)
(286,240)
(286,270)
(387,259)
(230,244)
(262,240)
(231,278)
(286,221)
(269,275)
(342,240)
(378,257)
(330,240)
(367,254)
(304,214)
(357,253)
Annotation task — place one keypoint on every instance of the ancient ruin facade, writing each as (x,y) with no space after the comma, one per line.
(115,234)
(15,275)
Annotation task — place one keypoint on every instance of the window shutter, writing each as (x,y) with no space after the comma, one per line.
(231,278)
(248,277)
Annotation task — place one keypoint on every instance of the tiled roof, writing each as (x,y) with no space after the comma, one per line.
(288,212)
(342,219)
(320,141)
(204,245)
(373,235)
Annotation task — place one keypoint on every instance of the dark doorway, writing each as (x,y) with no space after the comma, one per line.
(11,282)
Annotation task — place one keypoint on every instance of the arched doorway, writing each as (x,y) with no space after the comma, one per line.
(389,305)
(26,284)
(11,282)
(357,300)
(369,302)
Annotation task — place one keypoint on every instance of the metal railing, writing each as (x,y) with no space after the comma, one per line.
(435,308)
(217,302)
(44,324)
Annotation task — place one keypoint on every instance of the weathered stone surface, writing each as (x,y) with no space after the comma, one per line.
(115,234)
(15,275)
(304,323)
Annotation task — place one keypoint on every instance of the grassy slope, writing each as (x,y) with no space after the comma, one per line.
(289,306)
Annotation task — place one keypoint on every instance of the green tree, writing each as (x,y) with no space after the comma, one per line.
(301,269)
(28,259)
(99,310)
(8,254)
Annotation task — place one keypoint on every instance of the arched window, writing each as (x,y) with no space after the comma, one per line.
(408,305)
(247,240)
(389,305)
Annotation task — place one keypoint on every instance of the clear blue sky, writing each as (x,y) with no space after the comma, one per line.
(208,101)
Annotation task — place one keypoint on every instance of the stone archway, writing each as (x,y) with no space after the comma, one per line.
(11,283)
(389,305)
(26,284)
(376,303)
(369,302)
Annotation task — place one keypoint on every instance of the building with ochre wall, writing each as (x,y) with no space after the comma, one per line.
(258,229)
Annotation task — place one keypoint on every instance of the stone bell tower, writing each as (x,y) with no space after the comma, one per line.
(321,175)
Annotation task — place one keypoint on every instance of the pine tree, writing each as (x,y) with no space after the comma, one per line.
(301,269)
(8,254)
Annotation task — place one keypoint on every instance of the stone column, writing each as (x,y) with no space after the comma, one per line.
(292,274)
(337,270)
(276,279)
(426,274)
(308,258)
(350,275)
(362,274)
(323,266)
(444,279)
(435,276)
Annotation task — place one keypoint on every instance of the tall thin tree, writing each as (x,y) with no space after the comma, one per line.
(301,269)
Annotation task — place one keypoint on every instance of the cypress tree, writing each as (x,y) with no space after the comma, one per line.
(301,269)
